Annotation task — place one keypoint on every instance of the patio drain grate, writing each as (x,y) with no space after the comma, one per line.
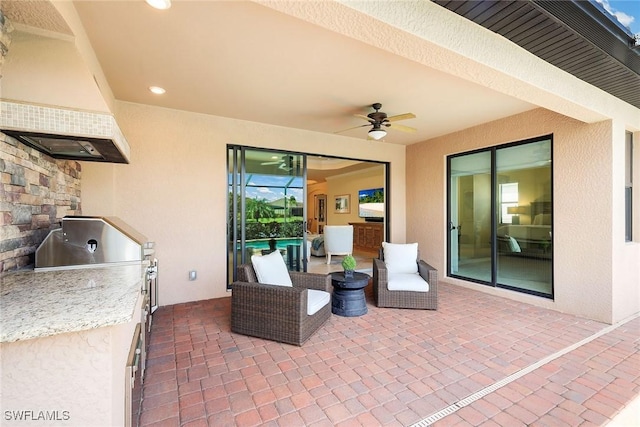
(493,387)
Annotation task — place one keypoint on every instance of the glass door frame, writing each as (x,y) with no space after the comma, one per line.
(454,226)
(237,207)
(234,209)
(454,223)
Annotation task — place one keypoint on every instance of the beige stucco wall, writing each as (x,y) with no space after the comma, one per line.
(48,71)
(91,365)
(625,255)
(174,190)
(588,210)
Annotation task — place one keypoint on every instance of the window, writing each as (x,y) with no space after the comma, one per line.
(509,203)
(628,188)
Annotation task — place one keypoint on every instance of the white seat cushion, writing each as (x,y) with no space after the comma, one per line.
(400,258)
(407,282)
(271,269)
(316,300)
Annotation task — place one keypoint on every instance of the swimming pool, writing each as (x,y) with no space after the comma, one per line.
(260,244)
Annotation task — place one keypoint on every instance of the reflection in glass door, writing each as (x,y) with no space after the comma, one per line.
(500,209)
(266,206)
(470,216)
(524,244)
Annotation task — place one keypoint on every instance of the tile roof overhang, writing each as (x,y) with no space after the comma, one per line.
(578,37)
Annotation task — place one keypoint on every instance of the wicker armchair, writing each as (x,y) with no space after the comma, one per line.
(404,299)
(277,313)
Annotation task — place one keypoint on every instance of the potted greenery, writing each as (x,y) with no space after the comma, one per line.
(349,264)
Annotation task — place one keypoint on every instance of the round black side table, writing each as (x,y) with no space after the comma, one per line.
(348,294)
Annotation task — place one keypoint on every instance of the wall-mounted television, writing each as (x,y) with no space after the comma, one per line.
(371,204)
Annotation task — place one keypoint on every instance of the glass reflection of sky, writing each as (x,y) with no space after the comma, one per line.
(273,187)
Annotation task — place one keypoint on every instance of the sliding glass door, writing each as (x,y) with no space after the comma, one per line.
(500,217)
(524,217)
(266,206)
(470,216)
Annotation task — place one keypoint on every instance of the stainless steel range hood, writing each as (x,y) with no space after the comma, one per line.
(64,133)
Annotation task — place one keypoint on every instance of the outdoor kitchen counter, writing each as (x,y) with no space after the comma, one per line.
(45,303)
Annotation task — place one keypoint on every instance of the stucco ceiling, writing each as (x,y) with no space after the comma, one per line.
(243,60)
(36,14)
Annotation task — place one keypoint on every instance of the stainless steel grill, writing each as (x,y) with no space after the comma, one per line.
(92,241)
(86,241)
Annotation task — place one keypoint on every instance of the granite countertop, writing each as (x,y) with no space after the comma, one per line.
(39,304)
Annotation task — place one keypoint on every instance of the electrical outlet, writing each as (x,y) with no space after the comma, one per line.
(193,275)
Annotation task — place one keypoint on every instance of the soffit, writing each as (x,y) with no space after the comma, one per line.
(573,36)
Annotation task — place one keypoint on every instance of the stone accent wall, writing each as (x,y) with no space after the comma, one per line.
(36,191)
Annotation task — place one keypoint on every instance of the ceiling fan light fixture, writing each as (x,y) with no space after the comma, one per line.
(159,4)
(377,134)
(157,90)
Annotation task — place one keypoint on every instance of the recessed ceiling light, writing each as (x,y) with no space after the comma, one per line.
(159,4)
(157,90)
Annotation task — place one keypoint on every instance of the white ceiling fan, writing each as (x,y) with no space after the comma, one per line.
(286,163)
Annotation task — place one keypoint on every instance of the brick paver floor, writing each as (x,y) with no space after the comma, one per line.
(478,360)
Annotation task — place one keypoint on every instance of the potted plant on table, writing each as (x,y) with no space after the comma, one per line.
(348,264)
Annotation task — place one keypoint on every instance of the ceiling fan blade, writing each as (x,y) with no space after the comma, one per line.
(401,128)
(355,127)
(404,116)
(360,116)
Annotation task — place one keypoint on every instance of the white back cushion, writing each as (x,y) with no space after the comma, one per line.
(271,269)
(400,258)
(338,239)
